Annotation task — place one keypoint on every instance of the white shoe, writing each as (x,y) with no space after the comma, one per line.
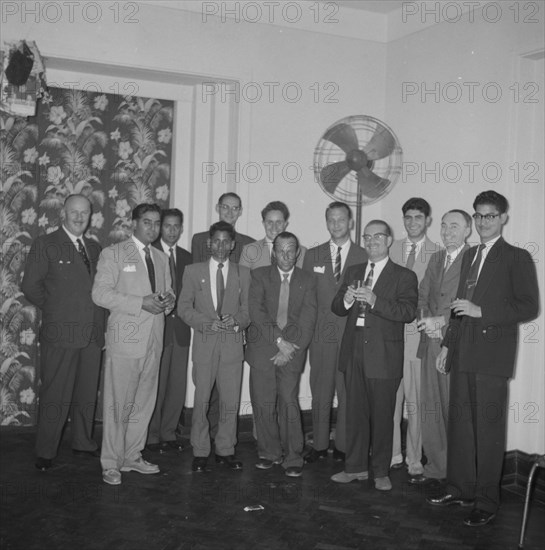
(111,476)
(345,477)
(141,466)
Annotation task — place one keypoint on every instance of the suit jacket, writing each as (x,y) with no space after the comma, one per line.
(397,296)
(120,285)
(329,327)
(196,308)
(437,291)
(263,331)
(175,328)
(57,281)
(256,254)
(201,253)
(507,293)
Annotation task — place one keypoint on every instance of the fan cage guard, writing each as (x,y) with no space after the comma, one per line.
(388,167)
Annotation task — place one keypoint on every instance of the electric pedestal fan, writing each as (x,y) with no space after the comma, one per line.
(358,161)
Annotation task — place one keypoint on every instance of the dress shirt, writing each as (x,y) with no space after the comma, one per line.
(487,246)
(282,273)
(407,245)
(140,246)
(453,255)
(74,239)
(213,270)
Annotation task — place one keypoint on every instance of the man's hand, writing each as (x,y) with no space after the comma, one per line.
(441,361)
(280,359)
(465,307)
(229,322)
(287,348)
(431,326)
(350,295)
(169,300)
(217,326)
(152,304)
(366,295)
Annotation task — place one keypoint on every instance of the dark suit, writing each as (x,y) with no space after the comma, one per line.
(372,359)
(173,370)
(481,356)
(72,336)
(435,294)
(325,378)
(201,253)
(274,389)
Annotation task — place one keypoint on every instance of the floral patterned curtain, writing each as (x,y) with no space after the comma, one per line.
(117,151)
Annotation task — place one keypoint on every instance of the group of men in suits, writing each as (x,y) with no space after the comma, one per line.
(384,324)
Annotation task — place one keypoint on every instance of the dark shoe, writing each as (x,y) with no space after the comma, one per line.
(156,447)
(43,464)
(294,471)
(174,445)
(199,464)
(338,456)
(313,455)
(229,461)
(447,499)
(265,463)
(94,454)
(477,518)
(422,480)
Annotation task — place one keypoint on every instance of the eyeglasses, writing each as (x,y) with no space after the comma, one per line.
(377,236)
(486,217)
(226,208)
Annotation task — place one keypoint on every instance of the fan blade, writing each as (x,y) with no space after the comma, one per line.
(380,145)
(371,185)
(332,174)
(343,136)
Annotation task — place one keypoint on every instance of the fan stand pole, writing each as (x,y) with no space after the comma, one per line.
(358,216)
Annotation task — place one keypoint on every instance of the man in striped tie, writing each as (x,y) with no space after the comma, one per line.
(327,263)
(378,298)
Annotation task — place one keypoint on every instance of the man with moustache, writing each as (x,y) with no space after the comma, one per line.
(214,303)
(173,370)
(275,218)
(437,291)
(328,263)
(497,290)
(133,282)
(371,355)
(58,278)
(283,313)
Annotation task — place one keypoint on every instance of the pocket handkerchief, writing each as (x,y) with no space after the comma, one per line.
(319,269)
(131,268)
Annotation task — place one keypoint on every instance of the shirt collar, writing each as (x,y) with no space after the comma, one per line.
(344,246)
(215,263)
(139,244)
(282,273)
(454,254)
(73,238)
(491,242)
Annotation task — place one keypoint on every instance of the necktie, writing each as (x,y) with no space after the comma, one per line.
(172,267)
(448,262)
(220,289)
(83,254)
(337,271)
(283,299)
(411,257)
(473,274)
(151,271)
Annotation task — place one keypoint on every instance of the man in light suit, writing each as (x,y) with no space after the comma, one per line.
(214,303)
(328,263)
(59,273)
(229,209)
(133,282)
(437,291)
(413,252)
(283,314)
(173,370)
(498,290)
(275,218)
(372,353)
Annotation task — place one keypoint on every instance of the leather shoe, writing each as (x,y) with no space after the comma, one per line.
(43,464)
(229,461)
(338,456)
(383,483)
(345,477)
(421,479)
(141,466)
(111,476)
(294,471)
(95,453)
(313,455)
(477,518)
(174,445)
(447,499)
(265,463)
(199,464)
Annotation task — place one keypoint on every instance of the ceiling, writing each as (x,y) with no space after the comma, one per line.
(376,6)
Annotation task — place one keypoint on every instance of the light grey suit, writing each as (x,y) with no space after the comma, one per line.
(409,389)
(436,292)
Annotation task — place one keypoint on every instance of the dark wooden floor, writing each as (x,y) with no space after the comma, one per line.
(69,507)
